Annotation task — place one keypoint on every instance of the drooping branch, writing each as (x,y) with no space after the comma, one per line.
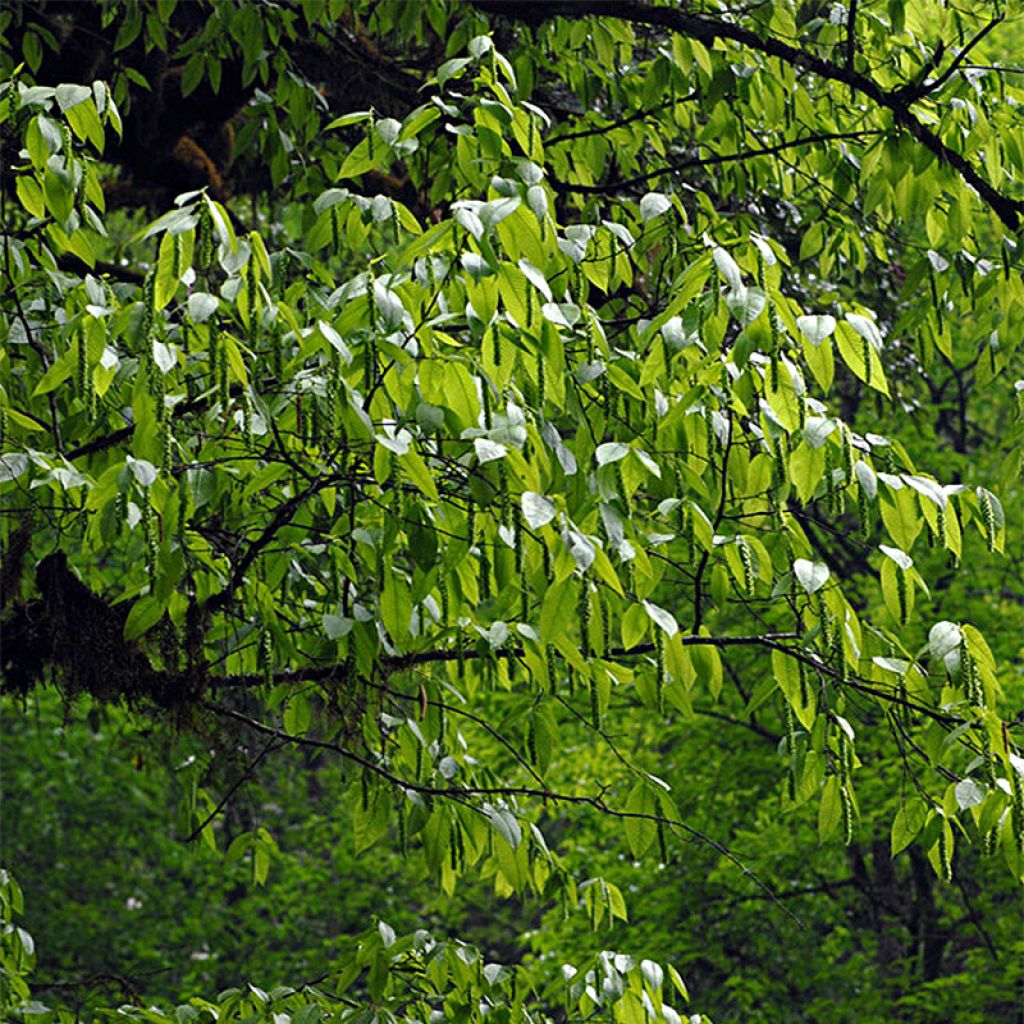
(712,30)
(710,161)
(465,793)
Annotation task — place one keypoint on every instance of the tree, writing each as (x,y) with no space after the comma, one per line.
(508,380)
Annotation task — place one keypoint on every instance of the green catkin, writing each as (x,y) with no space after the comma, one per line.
(805,691)
(864,512)
(149,532)
(484,581)
(518,544)
(865,354)
(442,724)
(371,135)
(716,289)
(223,389)
(846,451)
(213,357)
(148,307)
(902,596)
(830,483)
(531,742)
(839,661)
(82,366)
(790,727)
(3,425)
(120,511)
(773,369)
(485,391)
(204,237)
(545,560)
(157,390)
(552,667)
(845,759)
(595,706)
(846,800)
(396,221)
(659,664)
(1018,810)
(940,526)
(167,444)
(747,561)
(176,253)
(251,288)
(13,99)
(540,381)
(945,855)
(627,504)
(966,670)
(442,586)
(988,765)
(584,616)
(529,305)
(497,348)
(781,461)
(933,284)
(762,271)
(266,656)
(988,518)
(991,841)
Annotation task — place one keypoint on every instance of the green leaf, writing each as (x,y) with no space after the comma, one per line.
(907,824)
(812,576)
(816,328)
(830,810)
(145,614)
(640,830)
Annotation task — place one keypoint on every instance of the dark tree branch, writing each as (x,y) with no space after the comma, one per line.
(461,793)
(958,61)
(711,161)
(711,30)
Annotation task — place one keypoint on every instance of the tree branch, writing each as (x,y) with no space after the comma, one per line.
(710,161)
(711,30)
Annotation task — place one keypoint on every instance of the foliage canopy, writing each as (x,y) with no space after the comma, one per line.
(459,391)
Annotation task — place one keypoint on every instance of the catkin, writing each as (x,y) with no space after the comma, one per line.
(902,595)
(945,855)
(747,561)
(204,237)
(988,518)
(846,800)
(584,616)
